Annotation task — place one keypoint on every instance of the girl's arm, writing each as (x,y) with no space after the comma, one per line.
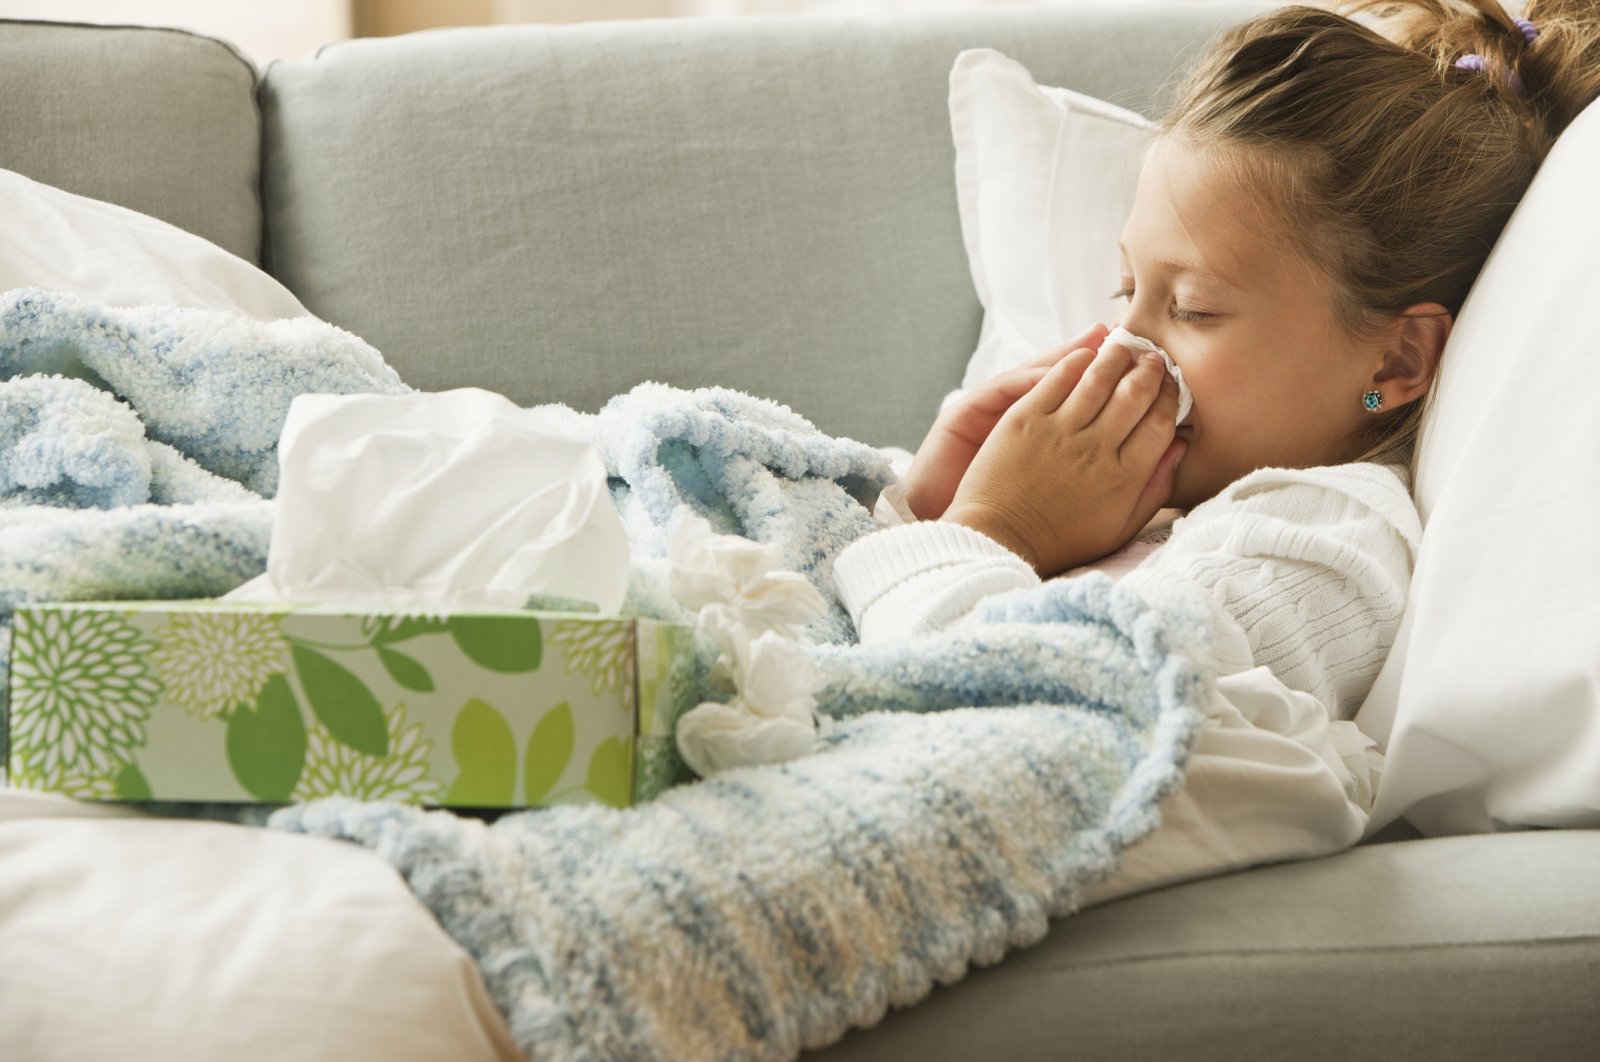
(1307,572)
(925,575)
(922,577)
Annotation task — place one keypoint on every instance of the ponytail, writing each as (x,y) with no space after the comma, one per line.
(1551,77)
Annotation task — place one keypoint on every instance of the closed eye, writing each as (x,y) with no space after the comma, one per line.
(1177,314)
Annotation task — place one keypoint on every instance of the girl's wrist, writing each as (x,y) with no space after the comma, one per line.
(910,492)
(991,526)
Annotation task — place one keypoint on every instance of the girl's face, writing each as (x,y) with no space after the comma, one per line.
(1209,275)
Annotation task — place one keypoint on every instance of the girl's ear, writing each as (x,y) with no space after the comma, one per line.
(1412,357)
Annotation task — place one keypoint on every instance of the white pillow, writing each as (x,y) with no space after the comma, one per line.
(1044,182)
(54,239)
(1489,705)
(189,941)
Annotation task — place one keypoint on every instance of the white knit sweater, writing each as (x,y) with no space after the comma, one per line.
(1307,571)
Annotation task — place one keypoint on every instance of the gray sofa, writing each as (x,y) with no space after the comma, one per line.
(558,213)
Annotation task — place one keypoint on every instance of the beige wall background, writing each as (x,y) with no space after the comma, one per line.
(293,29)
(378,18)
(264,31)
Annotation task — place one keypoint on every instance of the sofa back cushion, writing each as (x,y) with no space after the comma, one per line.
(559,212)
(160,121)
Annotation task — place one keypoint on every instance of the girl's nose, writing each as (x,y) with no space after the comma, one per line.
(1139,320)
(1135,323)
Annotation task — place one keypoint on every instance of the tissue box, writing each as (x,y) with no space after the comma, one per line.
(234,701)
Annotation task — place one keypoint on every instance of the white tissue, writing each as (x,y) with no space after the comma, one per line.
(770,720)
(1128,339)
(755,615)
(449,501)
(732,581)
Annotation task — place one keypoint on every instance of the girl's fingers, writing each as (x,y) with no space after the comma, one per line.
(1000,391)
(1131,399)
(977,415)
(1090,339)
(1153,431)
(1059,381)
(1098,383)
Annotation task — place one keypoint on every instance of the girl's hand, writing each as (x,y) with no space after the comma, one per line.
(955,438)
(1075,467)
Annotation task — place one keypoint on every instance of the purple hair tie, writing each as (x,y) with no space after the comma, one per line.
(1474,61)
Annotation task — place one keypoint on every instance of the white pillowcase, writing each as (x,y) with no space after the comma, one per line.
(64,242)
(1045,179)
(1489,705)
(190,941)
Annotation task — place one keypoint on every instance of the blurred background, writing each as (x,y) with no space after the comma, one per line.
(292,29)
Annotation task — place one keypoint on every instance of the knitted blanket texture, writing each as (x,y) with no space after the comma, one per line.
(971,784)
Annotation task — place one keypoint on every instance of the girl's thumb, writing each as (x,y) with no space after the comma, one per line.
(1156,493)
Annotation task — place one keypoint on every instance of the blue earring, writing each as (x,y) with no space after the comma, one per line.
(1373,400)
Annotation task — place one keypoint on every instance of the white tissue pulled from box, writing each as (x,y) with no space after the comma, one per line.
(446,501)
(1128,339)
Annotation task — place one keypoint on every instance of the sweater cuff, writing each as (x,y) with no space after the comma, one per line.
(872,565)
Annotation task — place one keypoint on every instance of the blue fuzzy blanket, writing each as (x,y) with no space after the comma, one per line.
(973,784)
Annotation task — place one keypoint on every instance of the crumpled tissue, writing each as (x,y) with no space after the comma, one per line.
(1128,339)
(444,501)
(755,614)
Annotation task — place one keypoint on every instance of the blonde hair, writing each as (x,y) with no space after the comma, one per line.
(1390,166)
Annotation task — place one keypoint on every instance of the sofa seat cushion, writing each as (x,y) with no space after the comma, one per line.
(1472,947)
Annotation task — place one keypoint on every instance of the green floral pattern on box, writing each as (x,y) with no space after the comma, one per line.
(602,650)
(89,688)
(333,768)
(211,662)
(660,766)
(298,704)
(70,783)
(485,752)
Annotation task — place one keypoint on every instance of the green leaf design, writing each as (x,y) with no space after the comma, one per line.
(410,627)
(406,671)
(507,644)
(266,745)
(487,755)
(549,749)
(131,783)
(610,771)
(343,703)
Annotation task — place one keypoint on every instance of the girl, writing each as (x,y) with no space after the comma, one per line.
(1307,223)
